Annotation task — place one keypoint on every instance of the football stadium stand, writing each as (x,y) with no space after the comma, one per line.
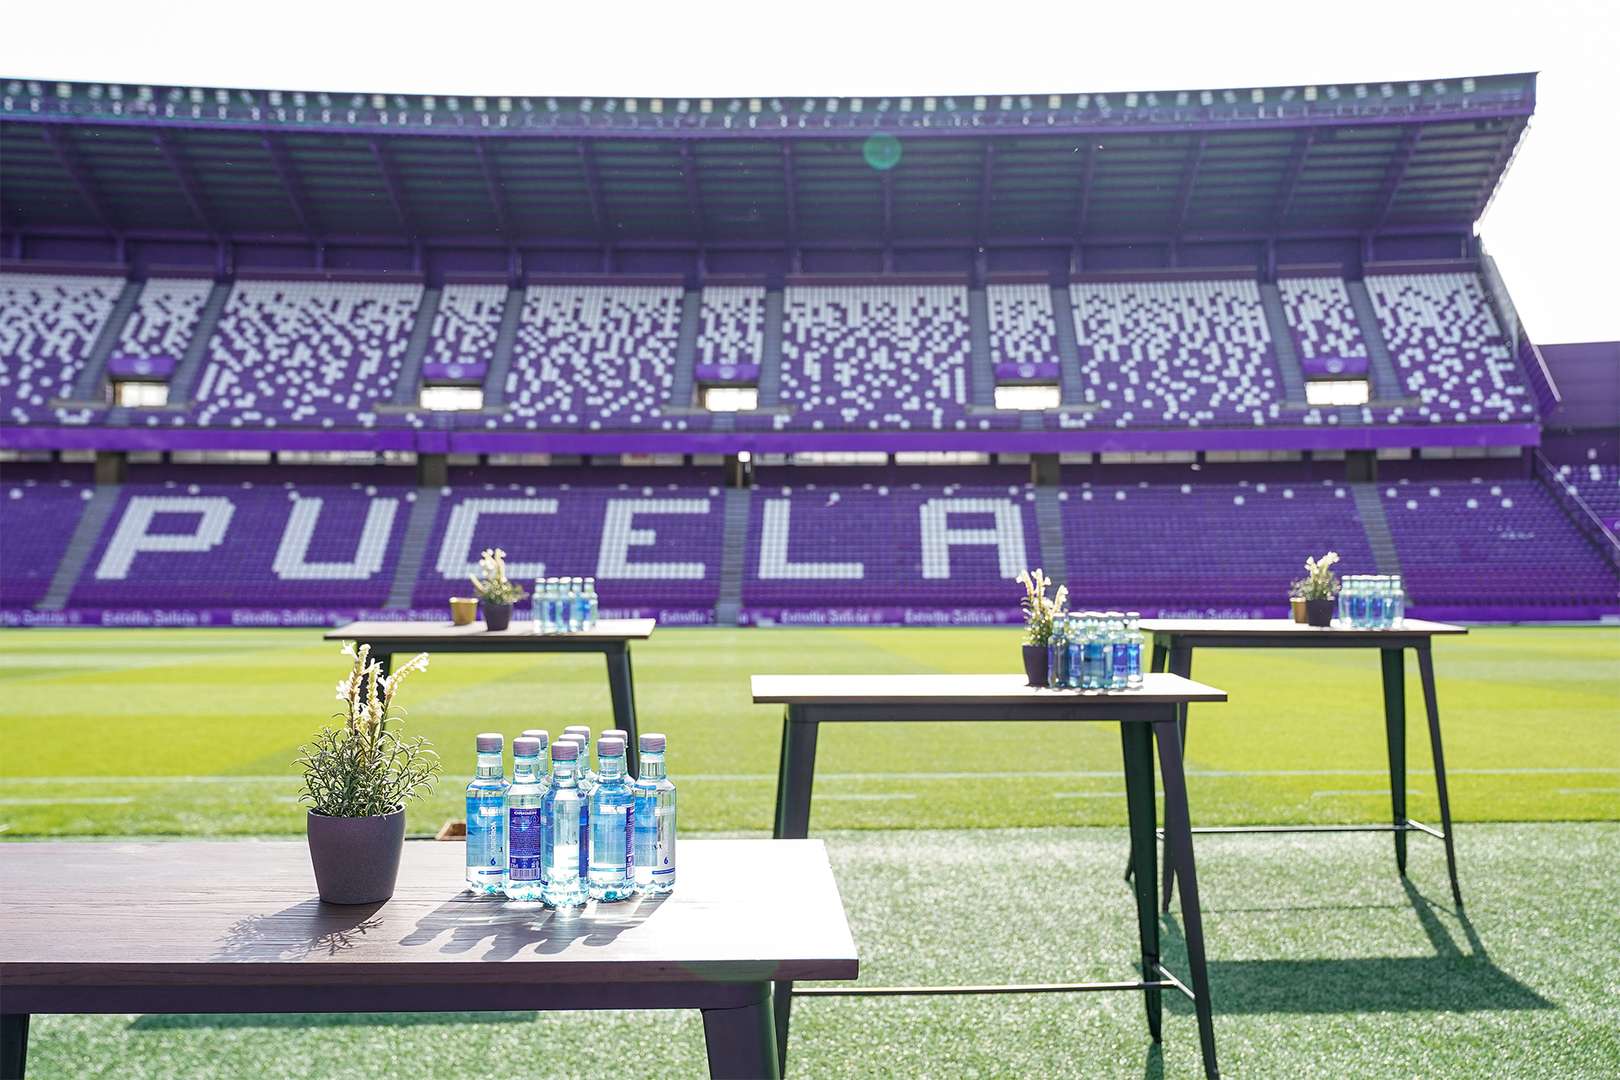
(386,338)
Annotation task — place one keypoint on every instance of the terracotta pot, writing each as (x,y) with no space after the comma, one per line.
(463,610)
(1320,612)
(1296,606)
(497,616)
(356,860)
(1035,664)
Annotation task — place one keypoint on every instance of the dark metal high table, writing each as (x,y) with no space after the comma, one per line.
(1143,716)
(1175,639)
(610,637)
(235,927)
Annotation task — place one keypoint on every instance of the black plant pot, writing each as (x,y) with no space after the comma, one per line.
(497,616)
(356,859)
(1035,666)
(1320,612)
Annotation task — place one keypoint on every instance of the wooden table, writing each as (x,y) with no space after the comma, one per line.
(1175,639)
(610,637)
(234,927)
(1144,716)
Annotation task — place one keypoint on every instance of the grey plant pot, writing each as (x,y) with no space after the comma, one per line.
(497,616)
(356,859)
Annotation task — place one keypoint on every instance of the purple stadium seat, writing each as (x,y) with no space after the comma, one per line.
(1448,349)
(1023,330)
(305,354)
(41,506)
(312,538)
(653,544)
(1204,548)
(1326,336)
(48,322)
(160,327)
(732,333)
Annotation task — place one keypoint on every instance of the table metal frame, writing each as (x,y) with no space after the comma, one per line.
(1173,650)
(615,650)
(1141,724)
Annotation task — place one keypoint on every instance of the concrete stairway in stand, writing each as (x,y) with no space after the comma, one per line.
(505,343)
(413,547)
(184,383)
(1370,507)
(1282,343)
(85,534)
(407,390)
(88,385)
(1386,385)
(1049,520)
(734,555)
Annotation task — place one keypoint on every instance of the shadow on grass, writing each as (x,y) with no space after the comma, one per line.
(199,1021)
(1452,980)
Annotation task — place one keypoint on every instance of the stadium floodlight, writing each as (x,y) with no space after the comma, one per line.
(1029,397)
(706,106)
(979,104)
(450,398)
(1337,392)
(1130,100)
(1257,96)
(730,399)
(1468,85)
(1310,93)
(140,394)
(1054,101)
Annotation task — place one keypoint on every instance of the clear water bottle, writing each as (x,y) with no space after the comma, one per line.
(1093,673)
(1358,602)
(1078,625)
(1133,648)
(1397,598)
(1345,585)
(486,817)
(563,811)
(1057,653)
(1119,657)
(654,853)
(525,808)
(545,614)
(612,826)
(590,603)
(543,738)
(1376,593)
(582,606)
(569,601)
(585,777)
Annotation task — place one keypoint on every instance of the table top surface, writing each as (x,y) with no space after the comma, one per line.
(519,635)
(939,689)
(1234,628)
(144,908)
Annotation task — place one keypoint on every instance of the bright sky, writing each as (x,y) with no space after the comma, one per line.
(1553,228)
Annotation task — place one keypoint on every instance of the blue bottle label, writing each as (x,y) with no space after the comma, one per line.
(630,839)
(486,839)
(523,859)
(584,839)
(664,868)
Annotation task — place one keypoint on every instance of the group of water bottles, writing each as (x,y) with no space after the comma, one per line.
(1371,601)
(1095,650)
(564,605)
(575,833)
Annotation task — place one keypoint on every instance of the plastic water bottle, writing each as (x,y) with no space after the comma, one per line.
(1094,673)
(567,615)
(1375,602)
(1358,601)
(1057,653)
(582,606)
(1133,649)
(525,806)
(562,813)
(543,615)
(654,852)
(590,603)
(585,777)
(1119,659)
(544,739)
(612,825)
(486,817)
(1076,650)
(1397,596)
(1345,585)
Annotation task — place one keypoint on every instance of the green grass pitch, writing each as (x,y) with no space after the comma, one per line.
(950,849)
(133,732)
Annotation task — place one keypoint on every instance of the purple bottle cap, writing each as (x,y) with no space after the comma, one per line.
(564,750)
(617,733)
(541,734)
(607,746)
(652,743)
(578,729)
(523,746)
(490,742)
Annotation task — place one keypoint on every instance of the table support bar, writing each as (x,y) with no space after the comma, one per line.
(1169,982)
(1408,826)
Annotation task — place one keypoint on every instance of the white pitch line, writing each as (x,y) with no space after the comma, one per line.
(88,800)
(1366,791)
(1588,790)
(864,797)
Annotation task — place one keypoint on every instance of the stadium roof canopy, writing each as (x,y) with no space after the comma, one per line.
(1307,161)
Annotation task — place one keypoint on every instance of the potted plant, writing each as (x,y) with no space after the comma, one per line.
(496,590)
(358,776)
(1040,611)
(1319,588)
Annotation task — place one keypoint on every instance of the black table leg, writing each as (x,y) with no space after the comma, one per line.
(742,1041)
(1394,664)
(1178,839)
(795,779)
(1432,707)
(13,1045)
(622,689)
(1156,664)
(1180,664)
(1137,741)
